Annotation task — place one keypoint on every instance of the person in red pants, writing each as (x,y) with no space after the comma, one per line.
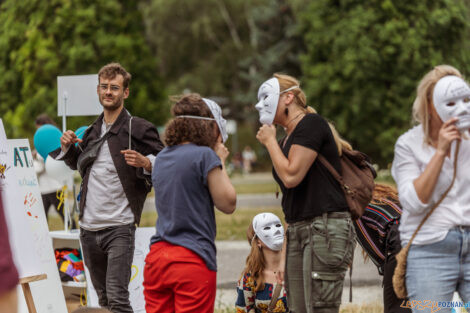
(189,178)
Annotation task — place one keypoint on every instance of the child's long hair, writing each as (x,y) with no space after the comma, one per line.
(380,195)
(384,192)
(255,262)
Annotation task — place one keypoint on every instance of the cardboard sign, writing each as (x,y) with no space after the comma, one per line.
(78,94)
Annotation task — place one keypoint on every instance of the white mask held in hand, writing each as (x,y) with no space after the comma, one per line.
(269,229)
(268,98)
(217,113)
(451,98)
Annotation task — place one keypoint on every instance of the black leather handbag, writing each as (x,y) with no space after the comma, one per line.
(87,157)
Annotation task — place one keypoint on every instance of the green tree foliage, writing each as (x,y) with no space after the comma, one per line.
(40,40)
(223,48)
(364,60)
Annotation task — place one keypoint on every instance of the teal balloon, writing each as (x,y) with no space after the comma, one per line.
(47,139)
(80,132)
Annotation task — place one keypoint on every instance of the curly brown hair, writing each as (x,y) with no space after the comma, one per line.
(197,131)
(111,70)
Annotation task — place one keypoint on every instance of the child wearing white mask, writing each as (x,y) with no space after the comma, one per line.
(259,284)
(438,262)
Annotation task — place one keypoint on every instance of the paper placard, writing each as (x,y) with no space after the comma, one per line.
(79,94)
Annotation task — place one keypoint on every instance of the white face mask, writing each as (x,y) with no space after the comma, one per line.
(269,229)
(217,113)
(268,98)
(451,98)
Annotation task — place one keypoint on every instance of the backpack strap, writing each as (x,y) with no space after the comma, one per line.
(331,169)
(340,180)
(276,293)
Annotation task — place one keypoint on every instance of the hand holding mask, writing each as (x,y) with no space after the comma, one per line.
(268,97)
(451,98)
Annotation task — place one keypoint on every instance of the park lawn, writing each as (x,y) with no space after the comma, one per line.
(256,188)
(229,227)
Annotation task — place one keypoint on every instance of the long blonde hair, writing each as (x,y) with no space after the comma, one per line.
(300,99)
(424,93)
(384,192)
(255,262)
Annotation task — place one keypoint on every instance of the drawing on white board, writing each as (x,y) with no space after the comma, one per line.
(29,201)
(3,169)
(40,235)
(136,283)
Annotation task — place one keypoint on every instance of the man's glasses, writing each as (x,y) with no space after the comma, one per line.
(104,87)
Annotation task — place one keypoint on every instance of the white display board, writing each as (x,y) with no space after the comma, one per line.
(29,234)
(136,288)
(20,234)
(79,95)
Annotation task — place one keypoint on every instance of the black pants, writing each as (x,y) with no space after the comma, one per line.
(49,199)
(391,302)
(108,255)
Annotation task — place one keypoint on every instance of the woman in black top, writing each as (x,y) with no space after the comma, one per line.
(320,234)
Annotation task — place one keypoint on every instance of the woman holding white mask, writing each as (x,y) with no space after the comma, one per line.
(320,235)
(259,285)
(438,261)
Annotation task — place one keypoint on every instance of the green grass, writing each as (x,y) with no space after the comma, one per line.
(234,226)
(229,227)
(256,188)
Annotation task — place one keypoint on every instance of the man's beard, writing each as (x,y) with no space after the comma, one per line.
(116,104)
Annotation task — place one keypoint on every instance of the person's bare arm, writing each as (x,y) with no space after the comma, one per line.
(291,170)
(426,182)
(220,187)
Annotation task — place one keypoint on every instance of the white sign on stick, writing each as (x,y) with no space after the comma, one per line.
(78,94)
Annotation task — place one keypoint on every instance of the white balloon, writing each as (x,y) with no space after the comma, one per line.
(59,171)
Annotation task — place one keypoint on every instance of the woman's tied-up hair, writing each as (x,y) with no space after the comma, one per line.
(300,99)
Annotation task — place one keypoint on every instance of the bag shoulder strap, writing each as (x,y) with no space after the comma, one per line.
(276,293)
(130,132)
(440,200)
(331,169)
